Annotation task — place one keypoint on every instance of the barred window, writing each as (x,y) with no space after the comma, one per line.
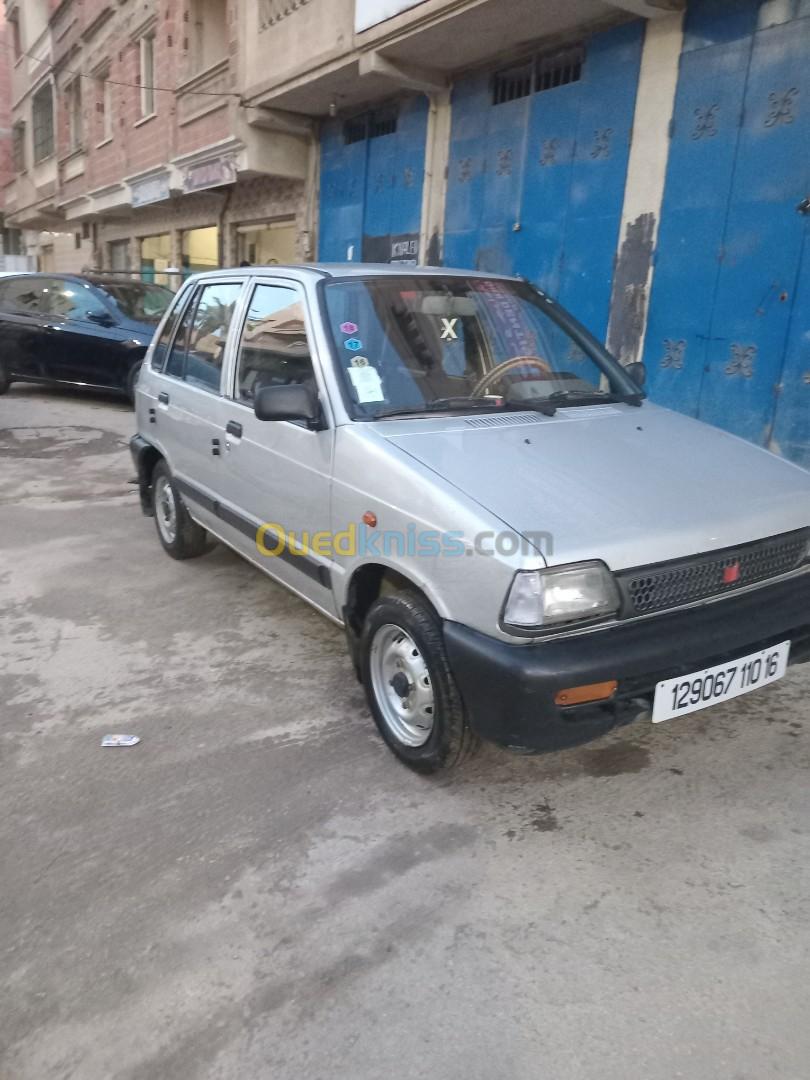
(371,125)
(512,84)
(559,69)
(544,72)
(42,119)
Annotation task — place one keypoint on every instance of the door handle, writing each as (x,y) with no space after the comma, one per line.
(234,428)
(163,398)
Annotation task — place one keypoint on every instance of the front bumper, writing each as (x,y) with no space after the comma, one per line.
(509,690)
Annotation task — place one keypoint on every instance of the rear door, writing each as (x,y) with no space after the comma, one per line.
(23,303)
(278,473)
(189,415)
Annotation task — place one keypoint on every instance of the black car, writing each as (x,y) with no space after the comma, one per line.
(83,330)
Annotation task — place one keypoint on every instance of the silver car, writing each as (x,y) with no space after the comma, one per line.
(519,546)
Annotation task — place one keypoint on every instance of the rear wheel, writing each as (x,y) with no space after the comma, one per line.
(181,537)
(410,688)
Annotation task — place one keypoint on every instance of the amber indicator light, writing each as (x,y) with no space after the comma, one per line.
(581,695)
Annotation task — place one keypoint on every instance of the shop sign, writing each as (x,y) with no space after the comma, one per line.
(369,13)
(402,250)
(151,190)
(209,174)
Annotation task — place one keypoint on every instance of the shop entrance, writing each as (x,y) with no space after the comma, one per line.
(156,252)
(200,250)
(266,243)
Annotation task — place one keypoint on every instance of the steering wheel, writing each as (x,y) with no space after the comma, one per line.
(501,369)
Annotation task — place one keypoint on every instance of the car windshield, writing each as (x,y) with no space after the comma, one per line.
(139,301)
(416,344)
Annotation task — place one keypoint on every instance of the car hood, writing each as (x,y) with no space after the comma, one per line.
(628,485)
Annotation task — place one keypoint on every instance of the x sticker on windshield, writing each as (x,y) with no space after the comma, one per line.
(449,330)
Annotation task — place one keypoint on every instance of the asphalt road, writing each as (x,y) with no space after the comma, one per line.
(259,890)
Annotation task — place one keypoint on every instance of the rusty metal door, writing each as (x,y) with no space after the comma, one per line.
(372,175)
(538,166)
(724,338)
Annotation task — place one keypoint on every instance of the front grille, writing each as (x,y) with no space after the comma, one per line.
(686,581)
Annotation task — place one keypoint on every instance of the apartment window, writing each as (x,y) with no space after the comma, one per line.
(16,40)
(42,121)
(18,147)
(147,46)
(75,119)
(103,108)
(209,44)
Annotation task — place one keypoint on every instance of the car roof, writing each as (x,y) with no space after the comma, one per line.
(351,270)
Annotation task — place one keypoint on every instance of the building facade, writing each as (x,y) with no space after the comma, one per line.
(647,161)
(132,141)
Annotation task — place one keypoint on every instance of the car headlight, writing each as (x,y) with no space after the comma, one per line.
(547,598)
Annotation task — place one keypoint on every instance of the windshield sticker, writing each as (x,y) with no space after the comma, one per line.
(449,332)
(359,361)
(349,328)
(353,344)
(367,384)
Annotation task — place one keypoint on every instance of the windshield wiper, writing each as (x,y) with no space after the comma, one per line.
(594,397)
(464,404)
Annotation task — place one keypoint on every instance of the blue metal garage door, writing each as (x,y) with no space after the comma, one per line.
(728,335)
(372,173)
(538,168)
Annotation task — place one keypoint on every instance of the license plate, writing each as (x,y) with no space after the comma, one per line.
(688,693)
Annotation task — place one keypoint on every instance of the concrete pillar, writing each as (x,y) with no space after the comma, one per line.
(644,191)
(434,193)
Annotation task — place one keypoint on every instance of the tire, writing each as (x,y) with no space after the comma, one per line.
(181,537)
(402,640)
(5,381)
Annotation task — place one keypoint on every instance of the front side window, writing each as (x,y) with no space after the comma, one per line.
(422,344)
(274,349)
(73,300)
(199,346)
(42,122)
(139,301)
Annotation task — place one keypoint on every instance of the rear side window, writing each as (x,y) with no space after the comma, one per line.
(25,294)
(199,345)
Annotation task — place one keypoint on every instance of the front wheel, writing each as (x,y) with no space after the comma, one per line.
(181,537)
(410,688)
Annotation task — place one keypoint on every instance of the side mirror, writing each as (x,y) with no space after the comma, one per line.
(288,403)
(638,373)
(101,318)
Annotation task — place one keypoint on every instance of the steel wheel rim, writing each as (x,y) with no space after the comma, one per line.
(166,510)
(402,686)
